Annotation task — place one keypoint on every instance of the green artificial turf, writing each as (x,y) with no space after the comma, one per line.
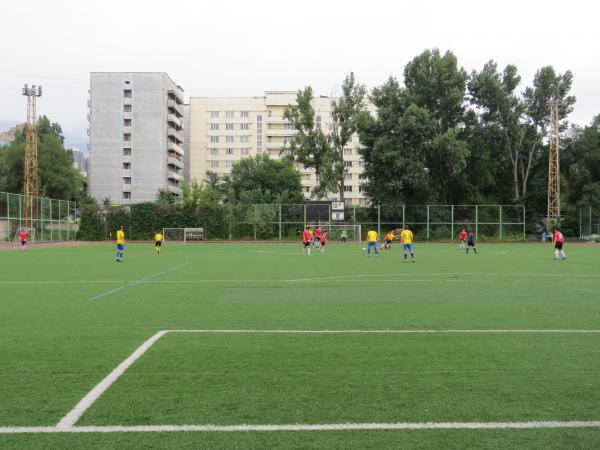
(70,315)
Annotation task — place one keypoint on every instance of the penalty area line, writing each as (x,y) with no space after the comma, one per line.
(307,427)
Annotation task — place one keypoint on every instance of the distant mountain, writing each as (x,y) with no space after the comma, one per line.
(5,125)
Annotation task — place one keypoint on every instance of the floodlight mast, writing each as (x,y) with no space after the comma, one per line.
(553,214)
(31,180)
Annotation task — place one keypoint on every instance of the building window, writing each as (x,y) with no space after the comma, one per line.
(361,163)
(347,176)
(244,139)
(318,122)
(214,126)
(347,188)
(288,126)
(244,126)
(214,114)
(229,114)
(244,114)
(229,139)
(229,126)
(244,151)
(269,113)
(126,166)
(269,138)
(127,122)
(126,180)
(214,151)
(126,152)
(127,93)
(126,195)
(347,151)
(127,138)
(259,131)
(347,163)
(214,139)
(306,189)
(214,164)
(361,188)
(228,163)
(229,151)
(126,108)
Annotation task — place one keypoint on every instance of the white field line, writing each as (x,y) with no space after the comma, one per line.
(67,423)
(87,401)
(134,282)
(393,331)
(307,427)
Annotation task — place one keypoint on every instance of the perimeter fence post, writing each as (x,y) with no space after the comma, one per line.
(580,224)
(452,222)
(403,215)
(590,220)
(500,221)
(476,221)
(280,221)
(379,220)
(8,215)
(524,221)
(427,222)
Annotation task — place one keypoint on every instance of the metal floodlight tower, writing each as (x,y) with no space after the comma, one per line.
(553,215)
(31,180)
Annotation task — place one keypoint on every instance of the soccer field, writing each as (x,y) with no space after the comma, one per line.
(258,346)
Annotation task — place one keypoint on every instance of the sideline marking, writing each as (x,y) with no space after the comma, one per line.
(307,427)
(67,423)
(134,282)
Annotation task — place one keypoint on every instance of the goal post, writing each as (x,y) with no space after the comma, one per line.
(183,234)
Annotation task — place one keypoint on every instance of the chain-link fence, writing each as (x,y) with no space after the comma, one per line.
(56,222)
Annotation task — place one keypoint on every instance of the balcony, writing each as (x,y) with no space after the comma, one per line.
(126,144)
(126,130)
(172,104)
(177,93)
(172,118)
(128,115)
(126,173)
(127,159)
(126,187)
(172,175)
(175,134)
(172,146)
(127,101)
(174,189)
(171,161)
(275,119)
(279,132)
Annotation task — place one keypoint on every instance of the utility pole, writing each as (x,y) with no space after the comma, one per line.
(553,215)
(31,180)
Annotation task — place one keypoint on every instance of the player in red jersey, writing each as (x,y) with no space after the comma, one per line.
(559,241)
(23,236)
(324,240)
(306,238)
(462,236)
(318,234)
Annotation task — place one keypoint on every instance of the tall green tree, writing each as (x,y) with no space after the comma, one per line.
(310,146)
(347,112)
(58,178)
(260,179)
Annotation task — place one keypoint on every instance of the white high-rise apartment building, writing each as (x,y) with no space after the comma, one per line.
(136,136)
(226,129)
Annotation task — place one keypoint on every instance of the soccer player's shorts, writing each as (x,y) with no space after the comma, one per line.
(307,244)
(23,242)
(323,244)
(471,244)
(407,247)
(558,245)
(120,246)
(158,243)
(372,244)
(388,242)
(317,238)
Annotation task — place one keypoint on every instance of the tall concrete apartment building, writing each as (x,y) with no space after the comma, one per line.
(136,136)
(225,129)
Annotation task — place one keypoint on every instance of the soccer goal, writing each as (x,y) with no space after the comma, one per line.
(183,234)
(353,232)
(30,235)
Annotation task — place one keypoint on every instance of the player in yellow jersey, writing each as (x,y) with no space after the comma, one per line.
(406,237)
(120,243)
(158,240)
(388,240)
(372,242)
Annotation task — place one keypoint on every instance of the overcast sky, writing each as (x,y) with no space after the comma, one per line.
(237,47)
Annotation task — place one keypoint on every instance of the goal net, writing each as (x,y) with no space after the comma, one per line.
(183,234)
(353,232)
